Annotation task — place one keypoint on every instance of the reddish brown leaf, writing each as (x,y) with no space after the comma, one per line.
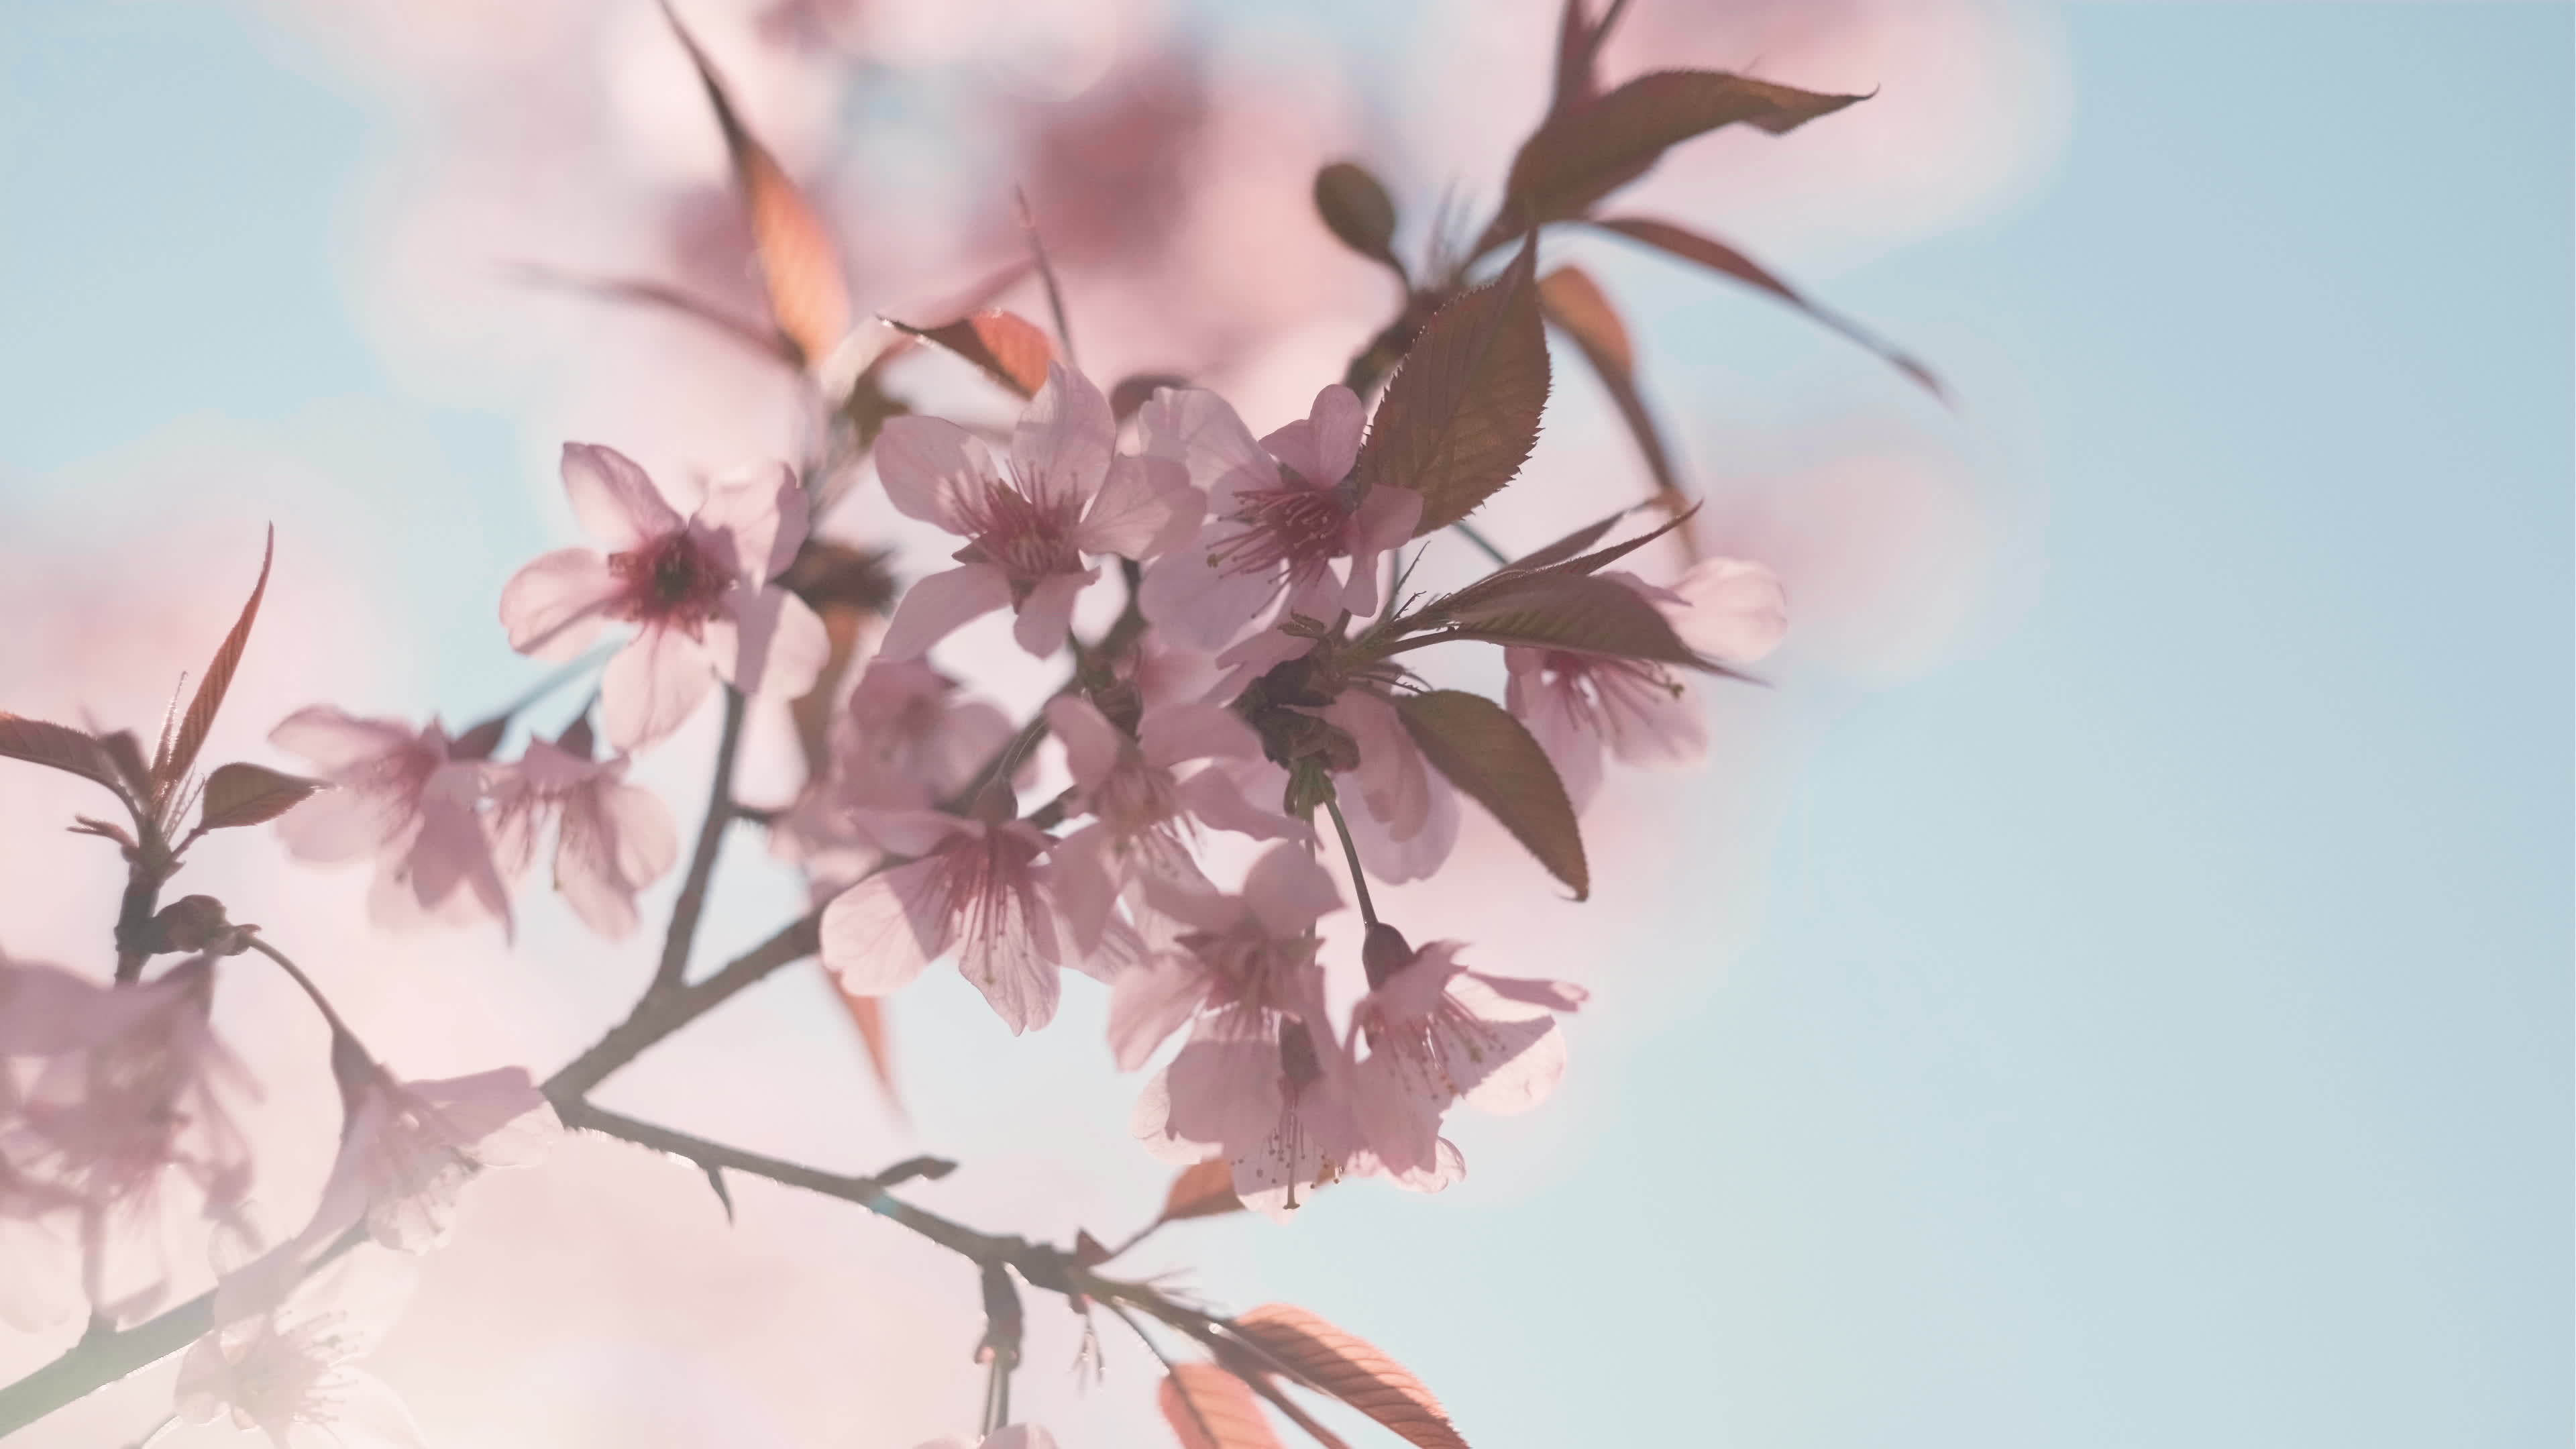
(1489,755)
(1205,1190)
(1552,561)
(1209,1408)
(238,794)
(1350,1369)
(1718,257)
(126,755)
(58,746)
(1008,348)
(1576,305)
(1570,545)
(1356,208)
(1461,414)
(1576,81)
(209,698)
(1587,151)
(867,1013)
(807,295)
(1577,614)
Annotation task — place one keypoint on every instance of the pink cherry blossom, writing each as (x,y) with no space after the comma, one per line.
(1145,809)
(1580,707)
(905,740)
(977,888)
(1440,1034)
(1029,520)
(408,1148)
(612,839)
(1280,514)
(291,1371)
(1406,818)
(696,589)
(405,800)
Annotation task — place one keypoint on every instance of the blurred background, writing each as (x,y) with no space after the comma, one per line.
(2112,989)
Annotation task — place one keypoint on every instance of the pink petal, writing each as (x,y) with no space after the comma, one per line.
(1146,509)
(1647,722)
(1199,430)
(1092,745)
(760,512)
(1086,890)
(1011,958)
(772,645)
(651,686)
(1737,612)
(935,606)
(1217,801)
(1147,1003)
(1384,519)
(1557,715)
(914,832)
(613,498)
(1046,614)
(1287,891)
(1173,733)
(1189,598)
(879,934)
(1338,418)
(928,465)
(1065,436)
(1507,1063)
(1397,858)
(335,741)
(1224,1086)
(1553,995)
(552,606)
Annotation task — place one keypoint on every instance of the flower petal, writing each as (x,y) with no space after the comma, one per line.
(772,645)
(1187,596)
(1199,430)
(1738,611)
(614,498)
(1046,614)
(879,934)
(930,467)
(1092,745)
(651,686)
(1173,733)
(935,606)
(552,607)
(1146,509)
(759,510)
(1064,440)
(1288,892)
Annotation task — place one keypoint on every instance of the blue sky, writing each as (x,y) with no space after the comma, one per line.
(2158,1030)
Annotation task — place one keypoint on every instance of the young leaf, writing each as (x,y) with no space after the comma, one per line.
(1576,81)
(219,677)
(1577,307)
(1461,414)
(1209,1408)
(239,794)
(1205,1190)
(58,746)
(1570,545)
(867,1014)
(767,341)
(1550,562)
(1008,348)
(807,296)
(1355,206)
(1578,614)
(1587,151)
(1485,752)
(1718,257)
(1350,1369)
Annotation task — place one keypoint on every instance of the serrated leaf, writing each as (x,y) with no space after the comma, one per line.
(1717,256)
(1578,614)
(1209,1408)
(1462,412)
(1351,1369)
(209,698)
(808,298)
(1586,151)
(1008,348)
(1549,562)
(1204,1190)
(1485,752)
(241,794)
(57,747)
(1570,545)
(1356,208)
(1579,309)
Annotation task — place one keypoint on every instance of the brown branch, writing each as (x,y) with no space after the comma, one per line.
(692,903)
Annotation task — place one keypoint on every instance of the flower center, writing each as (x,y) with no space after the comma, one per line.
(1292,527)
(1029,534)
(675,579)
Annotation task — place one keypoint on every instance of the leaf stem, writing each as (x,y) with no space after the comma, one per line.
(692,903)
(1468,532)
(1351,854)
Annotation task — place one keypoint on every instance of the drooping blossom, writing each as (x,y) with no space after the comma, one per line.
(1009,1436)
(697,590)
(612,839)
(979,888)
(128,1117)
(1402,813)
(1029,519)
(44,1011)
(1145,809)
(906,740)
(407,800)
(291,1371)
(1283,515)
(1439,1034)
(1580,707)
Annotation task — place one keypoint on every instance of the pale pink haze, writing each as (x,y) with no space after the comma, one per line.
(978,888)
(402,799)
(1030,518)
(291,1371)
(612,839)
(1281,515)
(904,740)
(697,590)
(1009,1436)
(1583,707)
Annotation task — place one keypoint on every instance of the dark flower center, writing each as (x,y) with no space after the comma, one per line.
(1295,527)
(675,579)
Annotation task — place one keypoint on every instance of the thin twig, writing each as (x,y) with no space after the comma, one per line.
(1351,854)
(1468,532)
(1046,277)
(702,863)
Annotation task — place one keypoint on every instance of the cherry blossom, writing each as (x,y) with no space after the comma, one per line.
(1280,513)
(1029,519)
(905,740)
(978,888)
(612,839)
(405,799)
(1145,811)
(697,590)
(1580,707)
(291,1371)
(1009,1436)
(1406,820)
(1439,1034)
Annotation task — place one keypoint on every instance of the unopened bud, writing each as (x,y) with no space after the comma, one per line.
(197,923)
(1384,953)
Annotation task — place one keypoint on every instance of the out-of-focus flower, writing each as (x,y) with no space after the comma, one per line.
(612,839)
(404,799)
(978,888)
(1407,820)
(697,589)
(1009,1436)
(1579,706)
(1145,811)
(1279,514)
(1439,1034)
(1029,520)
(292,1371)
(906,740)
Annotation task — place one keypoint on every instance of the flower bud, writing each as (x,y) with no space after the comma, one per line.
(197,923)
(1384,953)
